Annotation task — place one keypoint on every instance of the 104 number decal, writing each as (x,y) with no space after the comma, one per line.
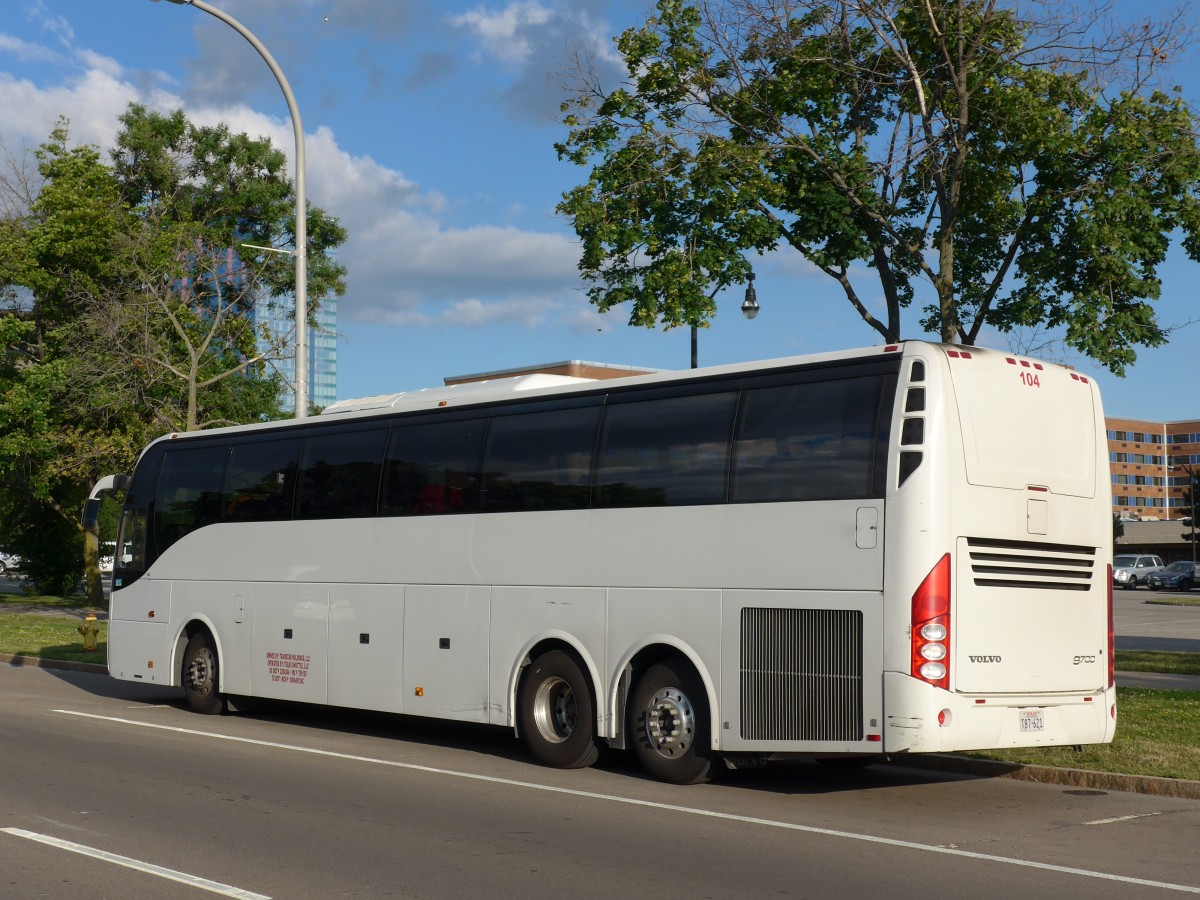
(1030,379)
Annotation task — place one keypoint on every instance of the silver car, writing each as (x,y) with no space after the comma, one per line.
(1132,569)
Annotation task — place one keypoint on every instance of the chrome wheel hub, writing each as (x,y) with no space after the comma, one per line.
(670,723)
(554,710)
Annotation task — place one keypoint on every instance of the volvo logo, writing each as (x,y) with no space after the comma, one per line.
(985,659)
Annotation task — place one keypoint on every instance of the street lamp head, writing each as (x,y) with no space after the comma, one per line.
(750,304)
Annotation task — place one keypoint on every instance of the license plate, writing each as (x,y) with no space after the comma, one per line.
(1032,720)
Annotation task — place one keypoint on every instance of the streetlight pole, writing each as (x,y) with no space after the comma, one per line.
(749,310)
(301,229)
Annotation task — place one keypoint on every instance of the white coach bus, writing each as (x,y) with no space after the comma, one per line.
(849,555)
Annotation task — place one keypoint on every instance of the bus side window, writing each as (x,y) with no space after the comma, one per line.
(260,481)
(670,451)
(539,460)
(186,499)
(812,441)
(430,468)
(339,475)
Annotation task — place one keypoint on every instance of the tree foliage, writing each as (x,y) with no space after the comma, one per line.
(991,168)
(133,306)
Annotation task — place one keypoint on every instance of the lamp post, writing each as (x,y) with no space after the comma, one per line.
(301,384)
(749,310)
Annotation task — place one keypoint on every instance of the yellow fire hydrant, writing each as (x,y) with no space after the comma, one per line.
(89,629)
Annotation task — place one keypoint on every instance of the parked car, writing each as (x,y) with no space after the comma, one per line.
(1132,569)
(9,563)
(1178,576)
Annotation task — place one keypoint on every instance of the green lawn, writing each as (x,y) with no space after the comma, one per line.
(1158,661)
(1188,600)
(49,637)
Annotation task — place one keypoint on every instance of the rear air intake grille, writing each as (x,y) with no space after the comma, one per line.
(801,675)
(1026,564)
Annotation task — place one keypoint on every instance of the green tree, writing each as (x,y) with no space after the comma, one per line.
(191,316)
(134,307)
(990,167)
(1188,502)
(55,439)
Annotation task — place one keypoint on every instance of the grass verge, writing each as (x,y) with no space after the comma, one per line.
(48,637)
(1177,600)
(1158,661)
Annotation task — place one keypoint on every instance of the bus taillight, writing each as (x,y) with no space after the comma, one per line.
(931,627)
(1112,669)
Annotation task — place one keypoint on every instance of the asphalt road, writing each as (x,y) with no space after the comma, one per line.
(312,803)
(1142,624)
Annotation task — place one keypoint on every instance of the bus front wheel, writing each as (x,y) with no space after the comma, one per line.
(557,715)
(201,676)
(671,724)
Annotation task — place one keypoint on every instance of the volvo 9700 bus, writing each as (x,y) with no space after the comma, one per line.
(848,555)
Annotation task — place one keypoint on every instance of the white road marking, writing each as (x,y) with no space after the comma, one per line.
(195,881)
(1123,818)
(669,807)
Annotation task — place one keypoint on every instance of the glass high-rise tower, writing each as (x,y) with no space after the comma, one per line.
(322,353)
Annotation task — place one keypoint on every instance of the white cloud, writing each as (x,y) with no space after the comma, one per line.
(26,51)
(404,262)
(542,47)
(505,32)
(91,101)
(55,24)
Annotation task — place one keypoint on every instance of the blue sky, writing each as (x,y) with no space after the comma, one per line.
(429,132)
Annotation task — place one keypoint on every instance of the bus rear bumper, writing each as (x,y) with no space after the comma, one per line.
(920,718)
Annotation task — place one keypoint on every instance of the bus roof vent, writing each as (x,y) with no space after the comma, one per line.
(455,394)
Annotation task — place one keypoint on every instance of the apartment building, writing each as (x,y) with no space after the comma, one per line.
(1149,465)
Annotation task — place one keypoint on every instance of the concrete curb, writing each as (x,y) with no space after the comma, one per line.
(1078,778)
(961,765)
(38,663)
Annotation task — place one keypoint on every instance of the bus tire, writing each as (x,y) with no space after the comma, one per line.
(670,724)
(556,712)
(201,676)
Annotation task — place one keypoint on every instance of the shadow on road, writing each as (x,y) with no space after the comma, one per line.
(800,777)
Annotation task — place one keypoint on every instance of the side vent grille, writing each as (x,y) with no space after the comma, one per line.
(801,675)
(1026,564)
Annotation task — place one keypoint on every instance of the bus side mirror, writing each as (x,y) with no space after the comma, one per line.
(91,507)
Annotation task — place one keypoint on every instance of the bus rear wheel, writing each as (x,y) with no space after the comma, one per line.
(556,712)
(670,721)
(201,676)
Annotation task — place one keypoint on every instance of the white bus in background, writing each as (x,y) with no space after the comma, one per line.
(842,556)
